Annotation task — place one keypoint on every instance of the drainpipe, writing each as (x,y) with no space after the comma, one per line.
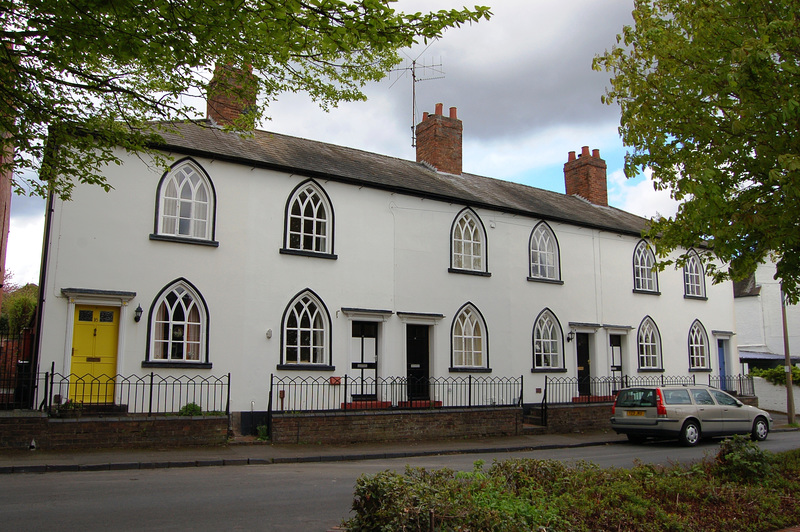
(788,362)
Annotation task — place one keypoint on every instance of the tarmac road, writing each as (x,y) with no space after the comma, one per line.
(313,496)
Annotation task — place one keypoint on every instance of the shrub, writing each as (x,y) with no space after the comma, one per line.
(741,460)
(262,432)
(777,376)
(190,409)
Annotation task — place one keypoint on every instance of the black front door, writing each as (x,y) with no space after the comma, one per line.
(584,371)
(417,356)
(365,360)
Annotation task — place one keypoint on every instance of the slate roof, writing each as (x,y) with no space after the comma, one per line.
(264,149)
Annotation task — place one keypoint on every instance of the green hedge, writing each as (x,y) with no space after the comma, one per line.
(777,375)
(742,488)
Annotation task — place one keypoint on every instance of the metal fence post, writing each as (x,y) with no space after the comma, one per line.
(469,390)
(269,406)
(228,404)
(344,399)
(150,406)
(521,390)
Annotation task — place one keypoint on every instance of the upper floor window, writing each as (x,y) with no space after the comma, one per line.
(547,342)
(306,332)
(694,283)
(186,203)
(178,326)
(469,339)
(468,243)
(649,345)
(544,255)
(645,278)
(309,221)
(698,347)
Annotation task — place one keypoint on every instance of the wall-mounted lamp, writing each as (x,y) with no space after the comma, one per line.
(269,334)
(570,336)
(137,314)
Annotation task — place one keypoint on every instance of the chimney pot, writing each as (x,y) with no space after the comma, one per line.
(424,116)
(596,153)
(439,107)
(453,113)
(585,151)
(571,156)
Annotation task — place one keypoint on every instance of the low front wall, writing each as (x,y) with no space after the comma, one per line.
(408,425)
(17,432)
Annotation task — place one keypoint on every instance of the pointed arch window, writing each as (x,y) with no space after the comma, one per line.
(698,347)
(186,205)
(548,343)
(306,333)
(178,332)
(469,340)
(645,277)
(309,222)
(649,346)
(694,282)
(468,244)
(545,261)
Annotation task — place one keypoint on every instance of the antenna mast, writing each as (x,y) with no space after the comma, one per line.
(434,71)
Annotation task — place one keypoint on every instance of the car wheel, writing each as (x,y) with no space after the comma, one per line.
(636,438)
(760,429)
(690,433)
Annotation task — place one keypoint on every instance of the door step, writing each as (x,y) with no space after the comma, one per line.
(533,430)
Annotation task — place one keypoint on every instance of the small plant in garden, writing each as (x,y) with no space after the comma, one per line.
(71,406)
(262,432)
(777,375)
(190,409)
(741,460)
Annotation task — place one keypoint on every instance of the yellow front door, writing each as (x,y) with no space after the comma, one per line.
(94,354)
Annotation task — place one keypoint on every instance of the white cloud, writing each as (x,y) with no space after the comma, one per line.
(639,196)
(24,250)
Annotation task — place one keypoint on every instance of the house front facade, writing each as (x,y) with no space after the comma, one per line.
(263,254)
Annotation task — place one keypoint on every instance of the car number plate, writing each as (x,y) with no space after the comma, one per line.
(635,412)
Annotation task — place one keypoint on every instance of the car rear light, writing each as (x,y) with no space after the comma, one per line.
(614,406)
(661,410)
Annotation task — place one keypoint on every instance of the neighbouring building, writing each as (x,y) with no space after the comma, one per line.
(267,254)
(759,321)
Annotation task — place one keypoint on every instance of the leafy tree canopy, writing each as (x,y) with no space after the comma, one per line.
(91,74)
(710,97)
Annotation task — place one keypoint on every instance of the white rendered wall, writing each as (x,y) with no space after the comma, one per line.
(393,255)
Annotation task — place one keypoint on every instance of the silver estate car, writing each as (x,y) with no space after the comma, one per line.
(685,412)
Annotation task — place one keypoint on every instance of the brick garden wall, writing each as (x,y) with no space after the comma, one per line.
(95,432)
(376,426)
(578,418)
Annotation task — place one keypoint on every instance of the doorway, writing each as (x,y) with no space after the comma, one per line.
(723,370)
(418,362)
(584,369)
(364,349)
(615,344)
(93,364)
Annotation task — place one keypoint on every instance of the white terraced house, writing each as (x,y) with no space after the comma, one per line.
(264,254)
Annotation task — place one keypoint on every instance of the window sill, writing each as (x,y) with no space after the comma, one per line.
(470,370)
(646,292)
(698,298)
(304,253)
(469,272)
(545,280)
(650,370)
(699,370)
(169,364)
(548,370)
(307,367)
(184,240)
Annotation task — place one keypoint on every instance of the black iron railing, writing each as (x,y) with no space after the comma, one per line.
(734,384)
(311,394)
(135,394)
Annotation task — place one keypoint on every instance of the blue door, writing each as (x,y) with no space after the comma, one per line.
(722,369)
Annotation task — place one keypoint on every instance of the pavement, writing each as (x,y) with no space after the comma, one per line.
(247,451)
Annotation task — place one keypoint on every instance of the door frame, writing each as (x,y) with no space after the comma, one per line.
(99,298)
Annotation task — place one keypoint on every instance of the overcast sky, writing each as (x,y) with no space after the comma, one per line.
(524,89)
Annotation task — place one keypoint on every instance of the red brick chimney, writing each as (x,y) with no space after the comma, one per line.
(439,141)
(231,95)
(585,176)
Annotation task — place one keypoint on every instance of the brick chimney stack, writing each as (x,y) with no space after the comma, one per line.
(585,176)
(439,141)
(231,95)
